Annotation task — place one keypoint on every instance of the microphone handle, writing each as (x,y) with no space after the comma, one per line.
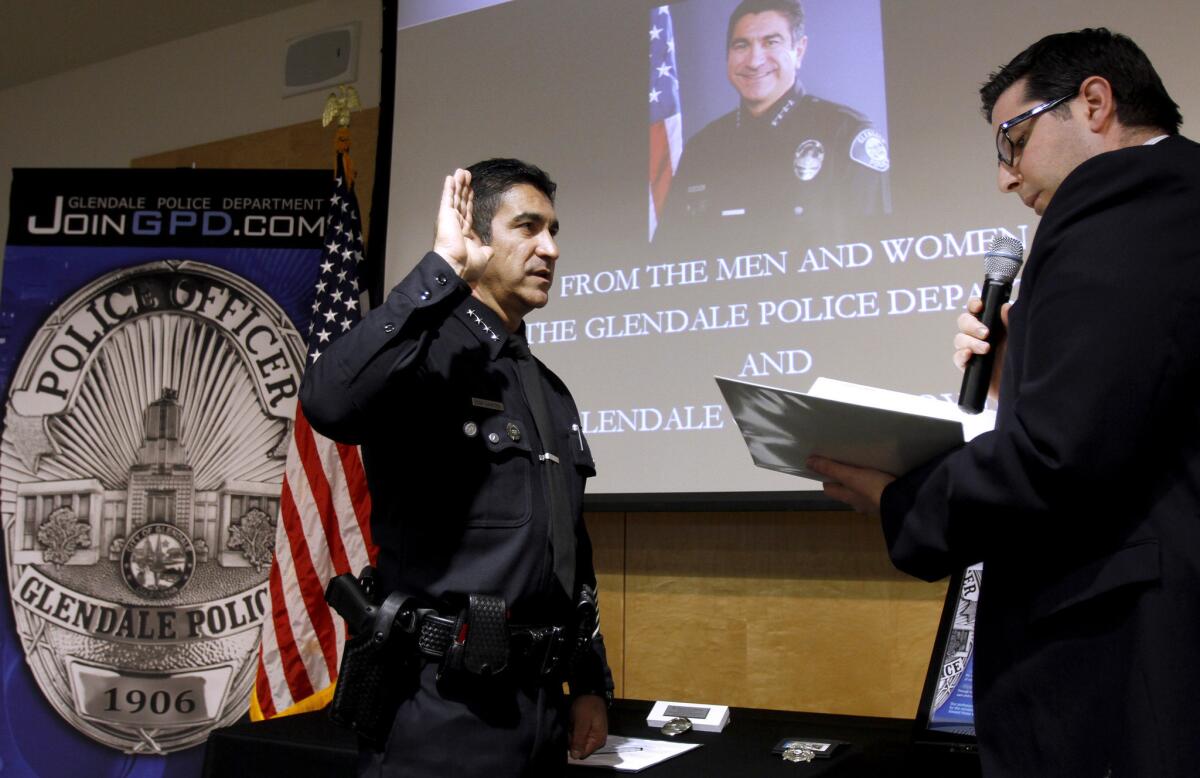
(978,375)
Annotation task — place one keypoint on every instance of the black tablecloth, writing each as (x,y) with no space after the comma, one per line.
(874,747)
(310,745)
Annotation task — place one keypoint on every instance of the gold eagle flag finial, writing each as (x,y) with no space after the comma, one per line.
(338,108)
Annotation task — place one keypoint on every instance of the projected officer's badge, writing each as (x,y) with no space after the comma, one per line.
(140,470)
(807,161)
(870,148)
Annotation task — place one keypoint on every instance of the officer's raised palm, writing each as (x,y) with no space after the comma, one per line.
(455,238)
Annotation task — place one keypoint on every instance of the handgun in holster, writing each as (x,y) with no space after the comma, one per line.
(377,658)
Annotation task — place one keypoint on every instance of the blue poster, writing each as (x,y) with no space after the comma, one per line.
(953,708)
(151,346)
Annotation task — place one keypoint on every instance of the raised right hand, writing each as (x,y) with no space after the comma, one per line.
(455,239)
(970,341)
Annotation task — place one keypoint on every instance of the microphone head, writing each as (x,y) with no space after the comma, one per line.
(1002,261)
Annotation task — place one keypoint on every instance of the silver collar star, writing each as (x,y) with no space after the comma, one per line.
(475,317)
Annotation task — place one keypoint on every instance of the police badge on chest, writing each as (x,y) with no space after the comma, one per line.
(808,159)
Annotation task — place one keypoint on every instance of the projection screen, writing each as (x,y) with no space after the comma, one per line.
(843,247)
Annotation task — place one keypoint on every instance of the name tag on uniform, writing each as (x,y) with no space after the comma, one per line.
(492,405)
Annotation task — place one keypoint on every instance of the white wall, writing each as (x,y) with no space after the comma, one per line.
(219,84)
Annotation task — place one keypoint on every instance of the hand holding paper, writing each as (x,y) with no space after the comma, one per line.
(859,487)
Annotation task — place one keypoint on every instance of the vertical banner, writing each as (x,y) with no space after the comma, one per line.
(152,329)
(953,707)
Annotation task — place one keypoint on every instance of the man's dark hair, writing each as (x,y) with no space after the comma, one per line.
(491,178)
(1058,64)
(789,9)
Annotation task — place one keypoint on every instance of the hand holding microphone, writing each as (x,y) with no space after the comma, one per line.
(976,352)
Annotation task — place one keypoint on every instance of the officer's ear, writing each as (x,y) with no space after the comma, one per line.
(801,45)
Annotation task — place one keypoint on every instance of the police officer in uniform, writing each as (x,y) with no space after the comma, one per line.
(476,465)
(782,158)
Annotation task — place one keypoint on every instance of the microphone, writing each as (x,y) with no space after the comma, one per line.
(1000,265)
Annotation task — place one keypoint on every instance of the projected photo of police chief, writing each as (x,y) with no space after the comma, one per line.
(768,123)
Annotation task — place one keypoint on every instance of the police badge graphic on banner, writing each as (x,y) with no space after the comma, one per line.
(150,359)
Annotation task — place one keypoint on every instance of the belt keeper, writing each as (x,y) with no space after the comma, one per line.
(455,652)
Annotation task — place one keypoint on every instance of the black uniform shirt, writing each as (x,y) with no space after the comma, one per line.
(425,384)
(805,164)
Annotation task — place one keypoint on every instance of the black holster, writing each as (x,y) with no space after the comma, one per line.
(378,660)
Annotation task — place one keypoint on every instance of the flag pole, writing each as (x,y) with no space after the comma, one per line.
(324,518)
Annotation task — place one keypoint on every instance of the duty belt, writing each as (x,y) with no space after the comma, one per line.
(544,649)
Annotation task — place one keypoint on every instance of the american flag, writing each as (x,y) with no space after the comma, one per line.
(666,124)
(324,511)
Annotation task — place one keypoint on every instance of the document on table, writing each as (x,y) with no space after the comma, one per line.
(633,754)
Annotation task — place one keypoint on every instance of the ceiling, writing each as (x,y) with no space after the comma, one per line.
(40,38)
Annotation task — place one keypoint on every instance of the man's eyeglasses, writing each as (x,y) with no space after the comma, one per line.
(1006,148)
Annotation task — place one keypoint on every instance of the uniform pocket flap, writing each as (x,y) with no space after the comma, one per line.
(1133,564)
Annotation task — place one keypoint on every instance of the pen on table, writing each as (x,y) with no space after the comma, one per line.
(617,749)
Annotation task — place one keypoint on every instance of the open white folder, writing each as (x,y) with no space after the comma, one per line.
(859,425)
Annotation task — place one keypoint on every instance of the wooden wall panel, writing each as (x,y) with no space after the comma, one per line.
(799,611)
(305,146)
(607,531)
(787,610)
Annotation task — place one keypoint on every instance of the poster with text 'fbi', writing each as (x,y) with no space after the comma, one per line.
(150,358)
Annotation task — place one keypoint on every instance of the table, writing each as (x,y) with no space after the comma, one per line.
(309,744)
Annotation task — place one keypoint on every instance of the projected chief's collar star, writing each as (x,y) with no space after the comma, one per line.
(482,324)
(782,112)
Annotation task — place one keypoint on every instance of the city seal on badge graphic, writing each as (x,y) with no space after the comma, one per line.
(141,464)
(158,560)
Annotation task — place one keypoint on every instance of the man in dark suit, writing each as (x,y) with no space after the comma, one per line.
(1084,503)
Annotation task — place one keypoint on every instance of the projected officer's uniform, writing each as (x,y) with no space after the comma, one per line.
(803,164)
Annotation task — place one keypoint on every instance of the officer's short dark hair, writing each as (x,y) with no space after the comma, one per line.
(491,178)
(1057,65)
(789,9)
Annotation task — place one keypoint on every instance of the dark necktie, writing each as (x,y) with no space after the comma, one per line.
(562,522)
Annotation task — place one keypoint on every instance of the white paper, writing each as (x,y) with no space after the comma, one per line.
(633,754)
(973,424)
(860,425)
